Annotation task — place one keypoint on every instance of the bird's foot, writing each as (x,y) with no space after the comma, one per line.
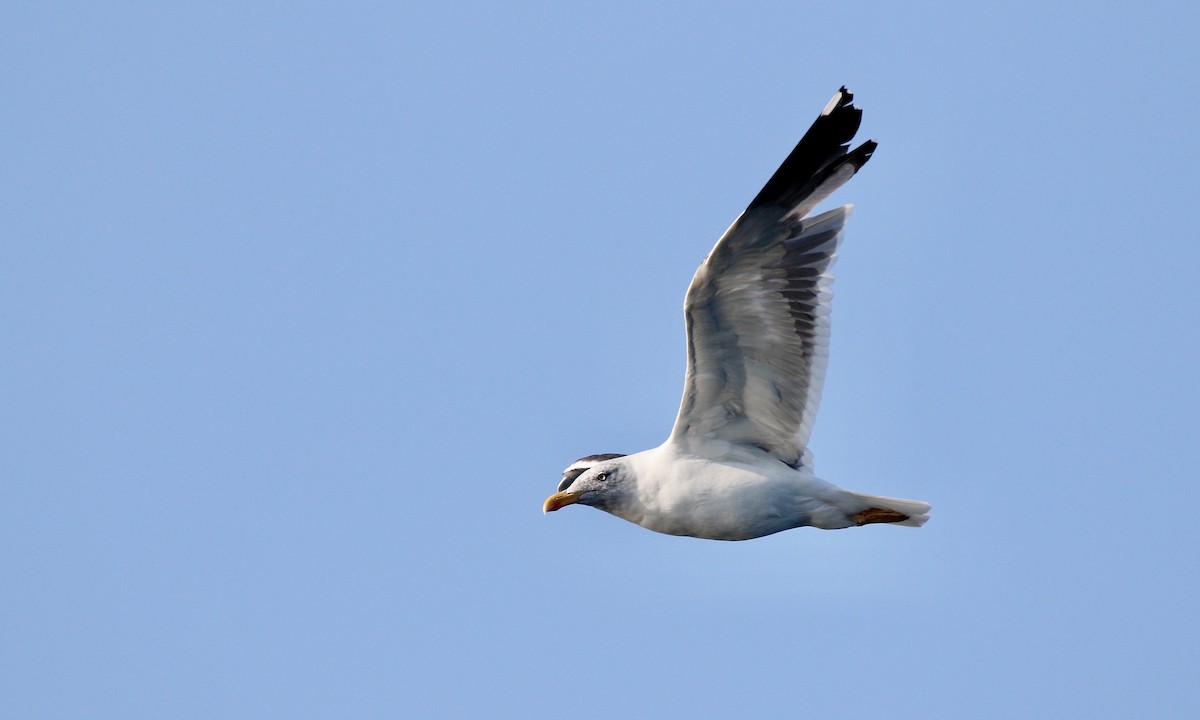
(877,515)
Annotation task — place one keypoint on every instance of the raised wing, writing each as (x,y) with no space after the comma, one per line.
(757,311)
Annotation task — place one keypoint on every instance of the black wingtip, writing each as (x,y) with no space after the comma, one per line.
(843,99)
(861,154)
(824,147)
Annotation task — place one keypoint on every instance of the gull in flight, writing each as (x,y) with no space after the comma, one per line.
(736,465)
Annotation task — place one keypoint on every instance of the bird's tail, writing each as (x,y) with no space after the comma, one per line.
(876,509)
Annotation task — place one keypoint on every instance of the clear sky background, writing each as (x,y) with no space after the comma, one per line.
(305,306)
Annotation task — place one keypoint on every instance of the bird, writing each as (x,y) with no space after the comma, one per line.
(736,465)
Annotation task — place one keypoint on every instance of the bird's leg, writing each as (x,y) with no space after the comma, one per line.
(877,515)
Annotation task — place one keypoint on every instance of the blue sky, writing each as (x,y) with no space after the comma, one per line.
(304,307)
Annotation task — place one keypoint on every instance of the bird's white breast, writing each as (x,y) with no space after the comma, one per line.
(740,496)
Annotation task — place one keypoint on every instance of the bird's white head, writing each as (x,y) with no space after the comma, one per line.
(596,480)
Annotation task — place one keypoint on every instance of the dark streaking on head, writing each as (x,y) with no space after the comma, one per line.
(582,465)
(589,481)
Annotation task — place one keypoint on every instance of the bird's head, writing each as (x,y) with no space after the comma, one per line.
(596,480)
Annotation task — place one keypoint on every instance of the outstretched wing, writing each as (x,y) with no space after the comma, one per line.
(757,311)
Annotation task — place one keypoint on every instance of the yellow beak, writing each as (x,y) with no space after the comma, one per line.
(559,500)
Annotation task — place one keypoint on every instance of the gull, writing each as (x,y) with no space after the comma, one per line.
(736,465)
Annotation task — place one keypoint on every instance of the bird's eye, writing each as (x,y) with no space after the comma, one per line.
(602,476)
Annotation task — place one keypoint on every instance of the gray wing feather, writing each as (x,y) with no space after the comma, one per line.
(757,316)
(757,311)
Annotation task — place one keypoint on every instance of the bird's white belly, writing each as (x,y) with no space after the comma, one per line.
(729,501)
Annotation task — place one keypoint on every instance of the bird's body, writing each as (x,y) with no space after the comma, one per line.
(732,493)
(742,495)
(736,465)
